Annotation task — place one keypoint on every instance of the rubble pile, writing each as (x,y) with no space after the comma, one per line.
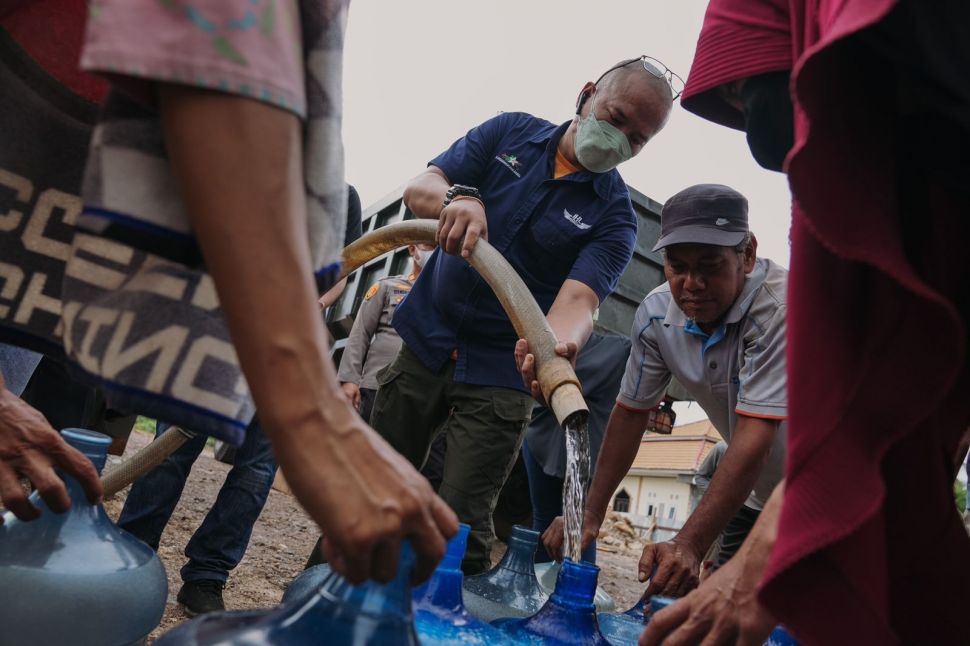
(618,534)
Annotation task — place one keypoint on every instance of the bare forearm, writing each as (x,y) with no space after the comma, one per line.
(239,168)
(571,314)
(331,295)
(620,443)
(731,484)
(425,194)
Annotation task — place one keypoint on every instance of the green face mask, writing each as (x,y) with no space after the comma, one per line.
(600,146)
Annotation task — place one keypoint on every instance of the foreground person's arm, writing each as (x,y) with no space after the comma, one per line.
(239,169)
(31,449)
(724,609)
(674,566)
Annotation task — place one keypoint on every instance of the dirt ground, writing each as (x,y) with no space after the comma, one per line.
(282,539)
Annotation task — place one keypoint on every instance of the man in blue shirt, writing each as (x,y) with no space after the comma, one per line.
(548,198)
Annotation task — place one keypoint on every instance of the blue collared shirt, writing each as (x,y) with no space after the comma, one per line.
(581,227)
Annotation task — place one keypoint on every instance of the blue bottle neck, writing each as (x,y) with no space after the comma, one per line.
(520,556)
(443,591)
(576,586)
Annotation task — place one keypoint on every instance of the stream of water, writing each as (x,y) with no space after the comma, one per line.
(574,490)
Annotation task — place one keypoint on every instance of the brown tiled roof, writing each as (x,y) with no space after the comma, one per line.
(680,452)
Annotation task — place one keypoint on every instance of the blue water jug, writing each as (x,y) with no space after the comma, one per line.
(624,628)
(333,612)
(548,572)
(569,617)
(780,637)
(510,589)
(439,611)
(75,578)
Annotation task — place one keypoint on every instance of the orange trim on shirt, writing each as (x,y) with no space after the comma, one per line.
(776,418)
(632,409)
(563,167)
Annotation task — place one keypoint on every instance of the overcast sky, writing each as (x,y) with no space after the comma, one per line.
(419,74)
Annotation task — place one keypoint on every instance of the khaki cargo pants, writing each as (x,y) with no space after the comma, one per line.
(484,427)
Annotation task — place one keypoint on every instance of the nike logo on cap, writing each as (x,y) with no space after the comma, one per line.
(721,222)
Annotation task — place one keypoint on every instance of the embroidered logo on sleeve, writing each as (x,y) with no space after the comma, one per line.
(371,291)
(576,219)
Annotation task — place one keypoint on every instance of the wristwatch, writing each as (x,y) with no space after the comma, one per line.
(460,190)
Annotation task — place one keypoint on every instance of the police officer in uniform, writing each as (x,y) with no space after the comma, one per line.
(373,342)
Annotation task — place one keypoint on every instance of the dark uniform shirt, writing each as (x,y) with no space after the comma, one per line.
(580,226)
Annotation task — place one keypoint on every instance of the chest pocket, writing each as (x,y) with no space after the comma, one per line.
(554,233)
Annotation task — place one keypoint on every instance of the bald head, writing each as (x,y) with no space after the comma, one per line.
(648,91)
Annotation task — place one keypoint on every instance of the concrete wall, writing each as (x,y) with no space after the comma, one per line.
(662,493)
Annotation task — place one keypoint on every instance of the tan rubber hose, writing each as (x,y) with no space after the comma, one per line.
(555,374)
(143,461)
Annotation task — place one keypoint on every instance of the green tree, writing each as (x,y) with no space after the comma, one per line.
(960,493)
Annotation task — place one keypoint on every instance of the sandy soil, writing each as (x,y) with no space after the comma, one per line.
(281,541)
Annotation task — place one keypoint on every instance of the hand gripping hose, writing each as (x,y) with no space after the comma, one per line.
(555,374)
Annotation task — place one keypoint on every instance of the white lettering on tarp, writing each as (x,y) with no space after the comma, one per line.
(97,318)
(33,236)
(12,278)
(184,385)
(35,299)
(166,343)
(150,278)
(205,296)
(24,189)
(89,271)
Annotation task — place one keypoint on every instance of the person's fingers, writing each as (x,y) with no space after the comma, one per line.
(521,349)
(688,633)
(688,583)
(567,350)
(74,463)
(386,556)
(429,545)
(723,631)
(455,233)
(663,622)
(647,562)
(472,234)
(660,578)
(356,567)
(444,517)
(13,496)
(676,582)
(48,486)
(444,229)
(537,392)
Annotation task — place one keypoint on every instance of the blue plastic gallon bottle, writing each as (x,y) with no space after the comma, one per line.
(547,573)
(75,578)
(510,589)
(624,628)
(333,612)
(569,617)
(439,611)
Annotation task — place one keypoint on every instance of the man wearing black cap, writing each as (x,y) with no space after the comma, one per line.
(718,325)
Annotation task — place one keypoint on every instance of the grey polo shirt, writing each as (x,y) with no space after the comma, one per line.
(373,342)
(737,370)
